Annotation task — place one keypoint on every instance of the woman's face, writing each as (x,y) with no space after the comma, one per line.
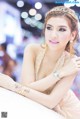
(58,33)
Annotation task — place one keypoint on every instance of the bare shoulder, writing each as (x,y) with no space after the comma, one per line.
(33,49)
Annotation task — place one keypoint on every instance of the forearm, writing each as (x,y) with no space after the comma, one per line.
(7,83)
(34,95)
(43,84)
(49,101)
(57,94)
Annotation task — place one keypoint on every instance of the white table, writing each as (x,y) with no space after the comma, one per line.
(19,107)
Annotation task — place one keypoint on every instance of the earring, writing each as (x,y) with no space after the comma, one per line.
(44,45)
(71,47)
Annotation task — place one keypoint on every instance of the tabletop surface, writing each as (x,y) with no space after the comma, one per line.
(20,107)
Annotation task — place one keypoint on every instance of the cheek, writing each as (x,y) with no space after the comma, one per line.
(65,37)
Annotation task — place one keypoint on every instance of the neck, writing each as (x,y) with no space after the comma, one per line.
(54,55)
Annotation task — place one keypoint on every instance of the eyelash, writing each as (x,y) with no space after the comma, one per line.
(61,29)
(48,28)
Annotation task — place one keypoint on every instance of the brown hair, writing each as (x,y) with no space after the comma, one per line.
(69,14)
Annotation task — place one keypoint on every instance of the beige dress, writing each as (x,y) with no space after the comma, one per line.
(69,106)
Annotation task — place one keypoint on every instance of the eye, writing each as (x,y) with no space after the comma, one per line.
(48,28)
(62,29)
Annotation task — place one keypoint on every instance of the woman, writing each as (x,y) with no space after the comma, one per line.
(49,69)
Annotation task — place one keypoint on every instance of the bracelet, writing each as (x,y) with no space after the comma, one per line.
(21,89)
(56,74)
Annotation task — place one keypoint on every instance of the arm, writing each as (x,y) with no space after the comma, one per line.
(49,101)
(56,95)
(44,83)
(28,72)
(6,82)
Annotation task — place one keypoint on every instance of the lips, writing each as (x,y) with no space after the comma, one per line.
(53,41)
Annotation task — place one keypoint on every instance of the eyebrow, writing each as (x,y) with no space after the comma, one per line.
(58,26)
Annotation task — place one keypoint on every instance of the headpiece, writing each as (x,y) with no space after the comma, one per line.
(64,10)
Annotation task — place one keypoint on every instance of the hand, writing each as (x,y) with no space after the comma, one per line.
(71,67)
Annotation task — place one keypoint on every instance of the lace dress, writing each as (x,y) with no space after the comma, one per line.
(69,106)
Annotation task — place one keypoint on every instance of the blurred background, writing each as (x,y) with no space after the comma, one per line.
(21,23)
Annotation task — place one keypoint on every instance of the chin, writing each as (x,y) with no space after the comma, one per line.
(53,48)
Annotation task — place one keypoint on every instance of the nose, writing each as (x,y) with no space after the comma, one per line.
(54,34)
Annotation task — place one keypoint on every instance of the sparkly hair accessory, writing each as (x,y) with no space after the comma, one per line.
(63,9)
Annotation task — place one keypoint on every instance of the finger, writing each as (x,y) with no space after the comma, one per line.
(78,69)
(78,58)
(78,62)
(78,65)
